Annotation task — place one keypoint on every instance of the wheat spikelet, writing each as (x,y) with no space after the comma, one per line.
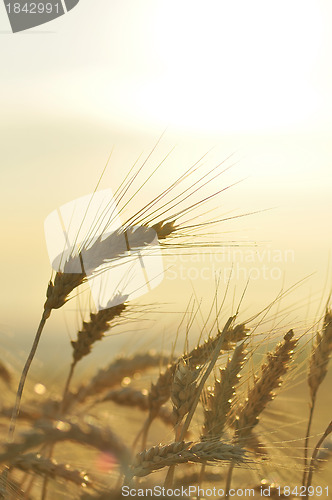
(219,400)
(201,354)
(160,392)
(262,392)
(164,229)
(320,355)
(58,291)
(181,452)
(183,389)
(94,330)
(127,396)
(207,452)
(37,464)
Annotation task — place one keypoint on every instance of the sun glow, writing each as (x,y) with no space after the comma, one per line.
(236,65)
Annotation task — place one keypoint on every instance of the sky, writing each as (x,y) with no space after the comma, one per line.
(248,79)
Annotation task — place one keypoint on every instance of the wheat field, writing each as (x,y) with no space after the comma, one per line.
(232,406)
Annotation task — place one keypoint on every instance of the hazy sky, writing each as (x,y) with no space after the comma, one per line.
(251,78)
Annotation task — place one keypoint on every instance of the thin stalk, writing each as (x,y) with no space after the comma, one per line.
(314,456)
(306,442)
(16,409)
(61,412)
(46,478)
(200,480)
(229,480)
(145,432)
(66,389)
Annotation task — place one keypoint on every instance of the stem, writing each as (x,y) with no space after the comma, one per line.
(201,479)
(145,432)
(306,442)
(229,480)
(170,473)
(46,478)
(314,455)
(66,389)
(16,409)
(61,411)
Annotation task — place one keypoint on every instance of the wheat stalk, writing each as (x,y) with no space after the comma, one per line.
(94,329)
(326,433)
(320,355)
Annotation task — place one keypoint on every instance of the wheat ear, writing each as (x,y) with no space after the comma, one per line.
(91,332)
(247,415)
(181,452)
(225,340)
(219,400)
(183,390)
(116,371)
(320,355)
(276,365)
(32,462)
(87,434)
(160,392)
(127,396)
